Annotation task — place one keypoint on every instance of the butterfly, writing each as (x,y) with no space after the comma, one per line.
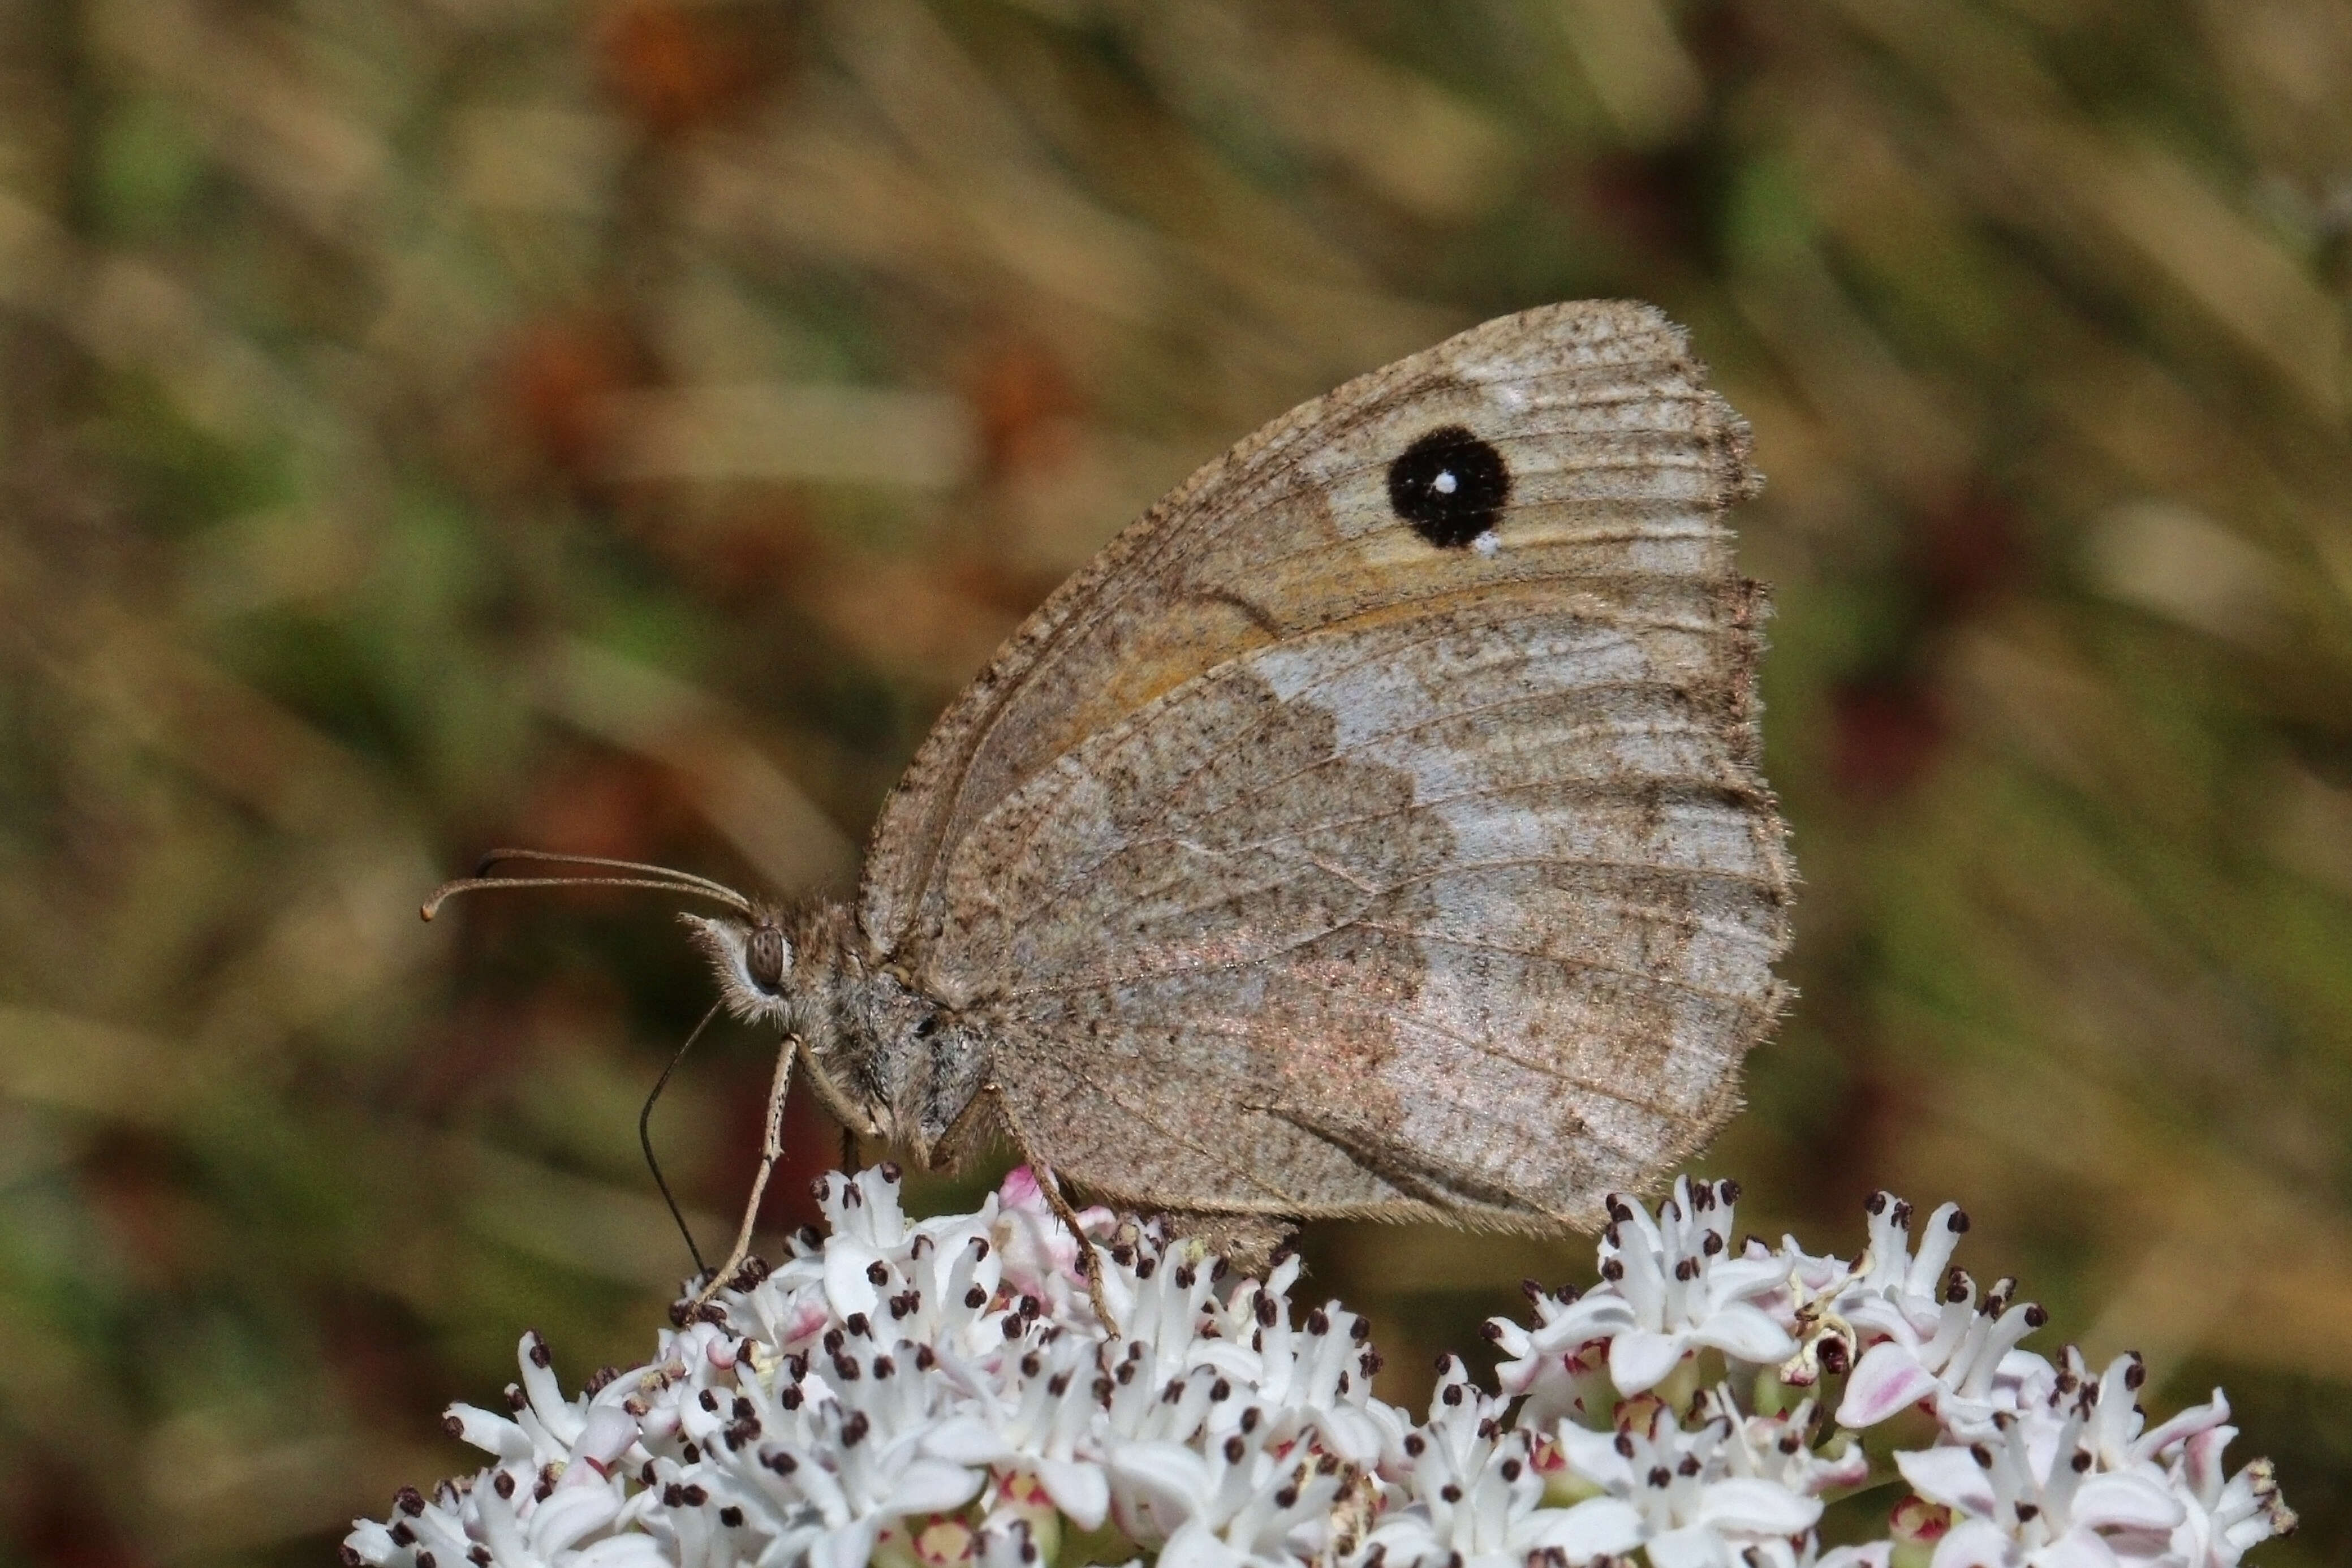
(1373,830)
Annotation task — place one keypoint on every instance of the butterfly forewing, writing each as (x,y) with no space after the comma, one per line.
(1375,827)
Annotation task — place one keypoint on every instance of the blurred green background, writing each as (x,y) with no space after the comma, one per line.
(621,426)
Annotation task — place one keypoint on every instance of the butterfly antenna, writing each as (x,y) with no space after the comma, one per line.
(662,879)
(646,1139)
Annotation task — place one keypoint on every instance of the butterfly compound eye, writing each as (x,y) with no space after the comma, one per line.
(765,952)
(1450,486)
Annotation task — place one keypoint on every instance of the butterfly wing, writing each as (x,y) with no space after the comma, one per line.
(1374,827)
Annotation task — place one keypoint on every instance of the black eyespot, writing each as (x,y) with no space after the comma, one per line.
(1450,486)
(763,957)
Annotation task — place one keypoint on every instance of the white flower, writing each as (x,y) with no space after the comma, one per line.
(940,1393)
(1924,1339)
(1778,1448)
(1669,1286)
(2033,1494)
(1689,1509)
(2220,1517)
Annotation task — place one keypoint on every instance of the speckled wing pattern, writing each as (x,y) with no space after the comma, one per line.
(1303,860)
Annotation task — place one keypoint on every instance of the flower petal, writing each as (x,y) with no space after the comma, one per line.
(2124,1499)
(1948,1475)
(1082,1491)
(1974,1544)
(1639,1360)
(1600,1526)
(1746,1333)
(846,1284)
(1693,1546)
(965,1440)
(1888,1380)
(932,1485)
(1195,1545)
(1758,1506)
(2077,1548)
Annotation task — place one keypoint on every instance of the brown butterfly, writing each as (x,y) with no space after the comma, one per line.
(1372,829)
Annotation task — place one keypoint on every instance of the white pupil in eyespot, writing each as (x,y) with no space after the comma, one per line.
(1444,484)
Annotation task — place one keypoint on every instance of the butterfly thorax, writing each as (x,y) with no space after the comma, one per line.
(888,1060)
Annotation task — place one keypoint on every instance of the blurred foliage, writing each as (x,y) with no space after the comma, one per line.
(620,427)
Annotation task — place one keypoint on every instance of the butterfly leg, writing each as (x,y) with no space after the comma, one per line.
(771,1149)
(1051,1185)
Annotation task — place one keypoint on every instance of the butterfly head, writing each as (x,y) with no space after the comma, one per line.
(763,963)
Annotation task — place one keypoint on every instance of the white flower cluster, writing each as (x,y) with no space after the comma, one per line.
(941,1393)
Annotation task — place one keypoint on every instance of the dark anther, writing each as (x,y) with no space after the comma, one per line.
(1287,1498)
(708,1400)
(1450,1492)
(1319,1322)
(732,1517)
(1235,1449)
(878,1273)
(409,1501)
(853,1430)
(453,1425)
